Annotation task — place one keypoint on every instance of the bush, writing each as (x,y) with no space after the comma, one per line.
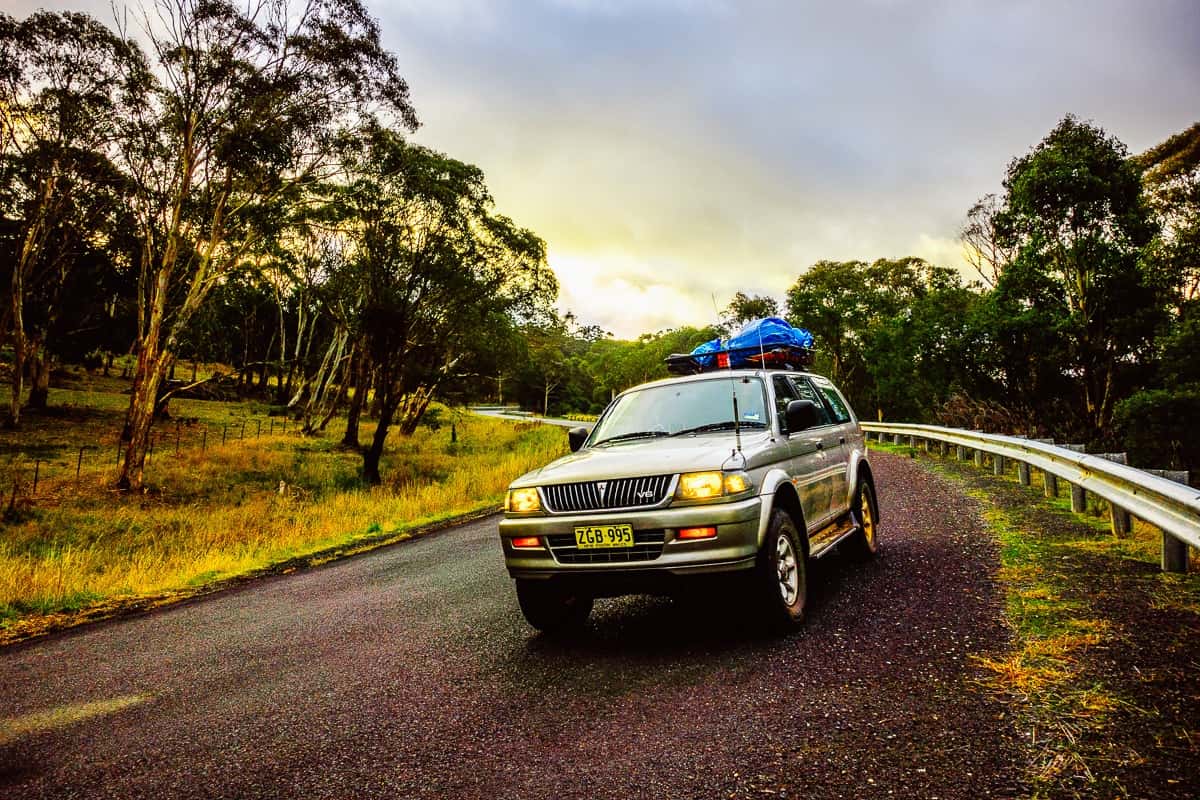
(1159,427)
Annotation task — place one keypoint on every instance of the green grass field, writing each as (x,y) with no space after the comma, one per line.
(214,511)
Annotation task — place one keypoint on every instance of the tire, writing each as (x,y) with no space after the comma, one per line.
(781,574)
(864,545)
(550,608)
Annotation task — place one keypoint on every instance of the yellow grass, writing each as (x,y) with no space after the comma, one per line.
(242,507)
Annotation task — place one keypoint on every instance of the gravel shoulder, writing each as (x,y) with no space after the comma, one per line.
(408,672)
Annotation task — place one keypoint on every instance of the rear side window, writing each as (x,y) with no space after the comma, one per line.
(805,391)
(841,412)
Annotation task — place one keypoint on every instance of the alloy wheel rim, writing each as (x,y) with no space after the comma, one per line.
(785,567)
(868,523)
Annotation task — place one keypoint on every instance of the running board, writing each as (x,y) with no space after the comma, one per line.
(836,534)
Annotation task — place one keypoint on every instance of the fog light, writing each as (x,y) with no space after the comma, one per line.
(693,534)
(526,542)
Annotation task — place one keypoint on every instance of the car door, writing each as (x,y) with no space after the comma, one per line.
(845,430)
(825,437)
(806,460)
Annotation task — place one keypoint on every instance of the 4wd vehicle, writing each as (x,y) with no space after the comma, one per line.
(750,472)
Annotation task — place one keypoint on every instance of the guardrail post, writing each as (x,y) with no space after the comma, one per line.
(895,438)
(1050,484)
(1078,499)
(1121,521)
(1174,551)
(960,452)
(1174,554)
(1023,473)
(979,458)
(998,465)
(912,441)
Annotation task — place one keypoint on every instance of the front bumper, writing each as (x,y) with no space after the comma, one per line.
(738,527)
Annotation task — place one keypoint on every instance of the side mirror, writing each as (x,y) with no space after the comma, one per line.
(576,437)
(801,415)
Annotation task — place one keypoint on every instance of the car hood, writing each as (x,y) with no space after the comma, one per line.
(643,457)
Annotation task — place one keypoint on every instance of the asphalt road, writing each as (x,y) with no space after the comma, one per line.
(409,672)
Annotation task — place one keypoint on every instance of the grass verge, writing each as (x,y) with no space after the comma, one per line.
(1103,669)
(78,550)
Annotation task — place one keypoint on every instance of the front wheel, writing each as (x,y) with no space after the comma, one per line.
(781,572)
(865,544)
(552,609)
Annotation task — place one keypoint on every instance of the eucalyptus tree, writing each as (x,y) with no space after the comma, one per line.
(1171,179)
(240,121)
(745,307)
(891,333)
(65,81)
(1076,218)
(439,272)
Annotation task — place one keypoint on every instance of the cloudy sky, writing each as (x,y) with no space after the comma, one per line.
(672,152)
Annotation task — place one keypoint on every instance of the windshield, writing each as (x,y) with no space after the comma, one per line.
(683,408)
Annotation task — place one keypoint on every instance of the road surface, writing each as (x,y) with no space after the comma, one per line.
(409,673)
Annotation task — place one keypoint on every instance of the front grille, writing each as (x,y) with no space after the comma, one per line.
(647,546)
(604,495)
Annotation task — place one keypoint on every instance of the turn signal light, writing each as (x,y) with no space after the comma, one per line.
(526,542)
(697,533)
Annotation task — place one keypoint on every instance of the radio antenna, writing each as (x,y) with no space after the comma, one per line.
(737,415)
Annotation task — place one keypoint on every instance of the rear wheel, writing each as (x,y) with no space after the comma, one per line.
(865,544)
(552,609)
(781,574)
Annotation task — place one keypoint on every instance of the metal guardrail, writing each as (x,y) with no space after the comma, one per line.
(1173,508)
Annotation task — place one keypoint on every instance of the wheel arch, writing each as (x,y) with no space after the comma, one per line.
(787,500)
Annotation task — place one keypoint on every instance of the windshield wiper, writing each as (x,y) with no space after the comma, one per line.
(632,435)
(727,425)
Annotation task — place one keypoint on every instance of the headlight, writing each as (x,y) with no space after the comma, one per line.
(522,501)
(707,485)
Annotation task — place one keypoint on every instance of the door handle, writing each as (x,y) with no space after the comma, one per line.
(820,445)
(841,440)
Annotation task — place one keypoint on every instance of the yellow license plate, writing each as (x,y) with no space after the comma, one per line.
(592,537)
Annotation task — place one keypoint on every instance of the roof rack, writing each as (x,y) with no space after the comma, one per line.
(773,357)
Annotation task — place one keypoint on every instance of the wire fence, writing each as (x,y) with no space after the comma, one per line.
(30,475)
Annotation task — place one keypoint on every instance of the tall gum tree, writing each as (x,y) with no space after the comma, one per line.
(65,79)
(440,272)
(1075,216)
(247,102)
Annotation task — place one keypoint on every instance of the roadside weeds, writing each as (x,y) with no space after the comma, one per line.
(1106,647)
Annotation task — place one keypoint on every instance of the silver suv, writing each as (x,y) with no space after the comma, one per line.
(748,473)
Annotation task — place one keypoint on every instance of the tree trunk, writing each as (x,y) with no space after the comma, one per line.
(414,408)
(146,377)
(152,363)
(350,439)
(373,453)
(18,374)
(39,390)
